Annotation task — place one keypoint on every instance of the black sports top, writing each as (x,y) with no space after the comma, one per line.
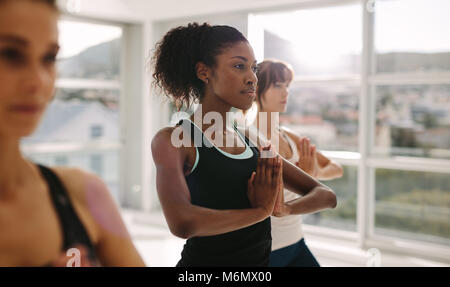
(220,182)
(73,230)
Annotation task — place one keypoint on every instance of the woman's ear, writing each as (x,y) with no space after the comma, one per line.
(202,72)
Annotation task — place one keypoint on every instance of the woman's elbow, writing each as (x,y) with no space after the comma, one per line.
(331,199)
(182,229)
(339,170)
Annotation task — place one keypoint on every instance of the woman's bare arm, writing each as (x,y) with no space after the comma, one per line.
(328,169)
(96,207)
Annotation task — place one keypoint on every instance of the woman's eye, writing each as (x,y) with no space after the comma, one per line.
(255,70)
(12,55)
(50,59)
(239,66)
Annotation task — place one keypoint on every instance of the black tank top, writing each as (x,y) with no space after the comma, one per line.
(220,182)
(73,230)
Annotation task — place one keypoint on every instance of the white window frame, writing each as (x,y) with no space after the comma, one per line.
(365,236)
(132,109)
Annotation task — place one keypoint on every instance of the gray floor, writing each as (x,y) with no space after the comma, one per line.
(159,248)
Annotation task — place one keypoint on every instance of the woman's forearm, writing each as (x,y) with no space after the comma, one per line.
(200,221)
(318,199)
(331,171)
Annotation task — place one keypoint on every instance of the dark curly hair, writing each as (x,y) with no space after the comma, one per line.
(52,3)
(180,50)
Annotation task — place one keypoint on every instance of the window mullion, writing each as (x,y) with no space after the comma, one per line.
(363,196)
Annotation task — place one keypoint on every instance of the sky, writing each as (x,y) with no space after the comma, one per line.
(77,36)
(400,25)
(413,25)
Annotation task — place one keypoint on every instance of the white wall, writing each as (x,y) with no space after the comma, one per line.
(162,10)
(157,10)
(129,11)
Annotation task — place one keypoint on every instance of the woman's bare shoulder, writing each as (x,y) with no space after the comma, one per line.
(170,142)
(88,194)
(77,181)
(291,133)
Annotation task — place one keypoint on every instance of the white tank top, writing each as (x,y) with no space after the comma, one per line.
(287,230)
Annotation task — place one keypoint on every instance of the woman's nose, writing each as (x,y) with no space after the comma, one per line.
(36,78)
(252,79)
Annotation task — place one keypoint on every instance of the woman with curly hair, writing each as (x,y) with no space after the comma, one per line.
(218,197)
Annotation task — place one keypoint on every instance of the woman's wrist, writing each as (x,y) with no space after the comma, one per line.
(262,213)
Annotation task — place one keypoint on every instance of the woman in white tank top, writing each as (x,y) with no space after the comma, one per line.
(288,245)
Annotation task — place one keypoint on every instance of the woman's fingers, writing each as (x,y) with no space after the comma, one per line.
(276,171)
(313,151)
(300,145)
(306,148)
(250,181)
(259,169)
(270,170)
(262,173)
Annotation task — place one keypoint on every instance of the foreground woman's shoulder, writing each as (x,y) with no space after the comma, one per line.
(78,181)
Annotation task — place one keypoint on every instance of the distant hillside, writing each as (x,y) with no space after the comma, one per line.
(279,48)
(391,62)
(97,62)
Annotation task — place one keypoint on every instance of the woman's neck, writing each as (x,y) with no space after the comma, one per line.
(13,167)
(267,123)
(212,111)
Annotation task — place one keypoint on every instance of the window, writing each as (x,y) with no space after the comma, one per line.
(327,114)
(344,215)
(324,47)
(413,120)
(411,36)
(82,124)
(96,131)
(89,51)
(409,89)
(96,164)
(413,205)
(61,160)
(375,97)
(316,42)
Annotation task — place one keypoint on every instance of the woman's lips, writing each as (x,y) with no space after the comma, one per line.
(250,93)
(26,108)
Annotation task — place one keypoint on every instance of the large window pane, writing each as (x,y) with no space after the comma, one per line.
(413,205)
(89,51)
(104,163)
(80,129)
(412,36)
(344,215)
(328,114)
(77,115)
(317,42)
(413,120)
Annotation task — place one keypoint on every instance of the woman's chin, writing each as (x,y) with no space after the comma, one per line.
(20,131)
(244,106)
